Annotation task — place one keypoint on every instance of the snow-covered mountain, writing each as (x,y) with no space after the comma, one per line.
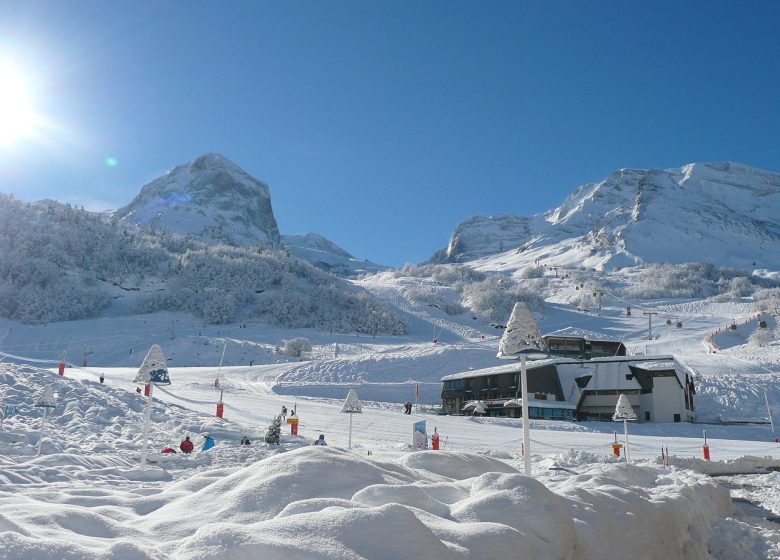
(325,254)
(210,198)
(720,213)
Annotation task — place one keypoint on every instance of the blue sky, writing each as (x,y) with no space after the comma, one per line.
(381,125)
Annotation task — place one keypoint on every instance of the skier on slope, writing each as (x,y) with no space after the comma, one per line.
(186,446)
(209,443)
(284,413)
(320,440)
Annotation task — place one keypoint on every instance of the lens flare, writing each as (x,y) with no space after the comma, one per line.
(17,118)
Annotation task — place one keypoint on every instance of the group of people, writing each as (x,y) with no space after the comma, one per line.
(187,447)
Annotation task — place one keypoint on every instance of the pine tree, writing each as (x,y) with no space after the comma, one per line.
(274,430)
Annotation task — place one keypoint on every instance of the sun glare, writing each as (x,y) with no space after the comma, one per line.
(17,119)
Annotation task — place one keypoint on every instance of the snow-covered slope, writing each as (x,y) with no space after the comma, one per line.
(210,198)
(324,254)
(720,213)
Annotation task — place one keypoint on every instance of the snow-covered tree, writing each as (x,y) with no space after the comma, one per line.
(297,346)
(274,431)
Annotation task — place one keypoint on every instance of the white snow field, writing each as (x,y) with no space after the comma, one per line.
(88,497)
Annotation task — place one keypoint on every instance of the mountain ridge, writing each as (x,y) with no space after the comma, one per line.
(717,212)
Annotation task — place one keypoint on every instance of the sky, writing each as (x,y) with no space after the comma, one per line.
(382,125)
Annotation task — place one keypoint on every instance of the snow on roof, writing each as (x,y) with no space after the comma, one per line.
(657,366)
(611,376)
(574,332)
(508,368)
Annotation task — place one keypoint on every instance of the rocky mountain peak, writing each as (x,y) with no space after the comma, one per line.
(210,198)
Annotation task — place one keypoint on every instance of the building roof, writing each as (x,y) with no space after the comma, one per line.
(574,332)
(507,368)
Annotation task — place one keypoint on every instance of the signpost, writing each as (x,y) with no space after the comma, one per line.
(45,401)
(352,405)
(153,371)
(522,340)
(624,412)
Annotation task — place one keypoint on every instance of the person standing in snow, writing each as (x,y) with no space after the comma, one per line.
(186,446)
(320,440)
(245,441)
(102,379)
(209,443)
(284,413)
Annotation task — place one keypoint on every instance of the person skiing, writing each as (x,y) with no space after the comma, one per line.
(407,407)
(186,446)
(245,441)
(284,413)
(209,443)
(320,440)
(102,379)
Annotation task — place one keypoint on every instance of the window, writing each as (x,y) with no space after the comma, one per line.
(647,415)
(677,418)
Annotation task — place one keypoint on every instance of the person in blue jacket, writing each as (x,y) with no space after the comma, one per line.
(209,443)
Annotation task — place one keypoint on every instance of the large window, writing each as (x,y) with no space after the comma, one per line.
(453,385)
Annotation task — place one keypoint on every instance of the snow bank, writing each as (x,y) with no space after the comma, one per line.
(329,503)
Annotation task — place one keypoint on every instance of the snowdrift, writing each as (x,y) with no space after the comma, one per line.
(329,503)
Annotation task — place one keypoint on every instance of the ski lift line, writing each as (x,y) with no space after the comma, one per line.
(207,403)
(183,399)
(26,359)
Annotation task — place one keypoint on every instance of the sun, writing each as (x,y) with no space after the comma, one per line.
(17,119)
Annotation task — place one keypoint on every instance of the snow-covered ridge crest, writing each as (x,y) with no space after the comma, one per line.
(722,213)
(210,198)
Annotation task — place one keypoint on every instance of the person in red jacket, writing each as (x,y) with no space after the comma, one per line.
(186,446)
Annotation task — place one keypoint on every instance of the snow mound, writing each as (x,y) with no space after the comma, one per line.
(454,465)
(317,502)
(89,416)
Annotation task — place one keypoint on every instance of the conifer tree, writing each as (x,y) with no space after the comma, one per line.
(273,432)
